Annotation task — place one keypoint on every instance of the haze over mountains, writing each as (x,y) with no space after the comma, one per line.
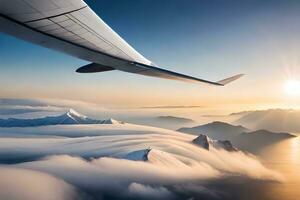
(280,120)
(243,138)
(110,159)
(216,130)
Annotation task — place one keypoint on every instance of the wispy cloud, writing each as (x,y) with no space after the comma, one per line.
(171,107)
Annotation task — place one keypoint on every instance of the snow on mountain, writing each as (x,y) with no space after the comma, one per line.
(205,142)
(111,121)
(73,113)
(139,155)
(155,156)
(70,117)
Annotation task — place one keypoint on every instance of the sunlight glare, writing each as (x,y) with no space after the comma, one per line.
(292,87)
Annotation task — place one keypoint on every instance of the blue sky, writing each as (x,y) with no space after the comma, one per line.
(209,39)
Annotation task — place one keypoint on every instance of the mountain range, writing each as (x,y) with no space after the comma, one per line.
(68,118)
(202,141)
(242,137)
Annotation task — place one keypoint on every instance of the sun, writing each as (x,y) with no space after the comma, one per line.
(292,87)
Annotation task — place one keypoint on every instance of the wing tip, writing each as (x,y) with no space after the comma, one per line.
(230,79)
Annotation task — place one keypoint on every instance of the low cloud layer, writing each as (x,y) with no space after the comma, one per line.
(90,158)
(23,184)
(146,191)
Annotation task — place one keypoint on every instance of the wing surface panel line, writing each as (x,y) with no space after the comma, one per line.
(56,15)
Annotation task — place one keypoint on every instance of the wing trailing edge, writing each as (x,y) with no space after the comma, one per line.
(167,74)
(147,70)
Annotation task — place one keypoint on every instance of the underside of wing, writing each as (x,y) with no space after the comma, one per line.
(70,26)
(71,21)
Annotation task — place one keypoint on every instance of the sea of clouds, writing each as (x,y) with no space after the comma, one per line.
(90,162)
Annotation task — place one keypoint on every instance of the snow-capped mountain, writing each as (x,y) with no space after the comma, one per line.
(110,121)
(70,117)
(139,155)
(117,156)
(205,142)
(155,156)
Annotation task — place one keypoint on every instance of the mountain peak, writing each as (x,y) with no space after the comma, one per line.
(73,113)
(111,121)
(155,156)
(139,155)
(205,142)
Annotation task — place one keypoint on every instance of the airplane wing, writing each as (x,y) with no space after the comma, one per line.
(70,26)
(156,72)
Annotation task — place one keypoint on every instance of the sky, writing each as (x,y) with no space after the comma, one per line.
(210,39)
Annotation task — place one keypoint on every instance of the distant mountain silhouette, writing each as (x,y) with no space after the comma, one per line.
(239,135)
(70,117)
(216,130)
(279,120)
(175,119)
(256,140)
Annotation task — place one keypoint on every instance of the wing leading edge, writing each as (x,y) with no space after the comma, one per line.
(71,27)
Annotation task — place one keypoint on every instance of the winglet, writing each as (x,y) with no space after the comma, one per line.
(230,79)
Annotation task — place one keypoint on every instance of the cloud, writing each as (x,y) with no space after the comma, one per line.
(146,191)
(193,189)
(245,164)
(171,107)
(92,162)
(119,177)
(110,140)
(110,172)
(23,184)
(125,178)
(15,111)
(22,102)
